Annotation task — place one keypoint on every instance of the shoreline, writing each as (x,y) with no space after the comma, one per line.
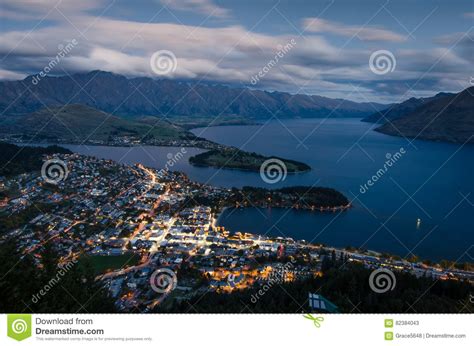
(245,169)
(355,204)
(349,248)
(220,212)
(183,145)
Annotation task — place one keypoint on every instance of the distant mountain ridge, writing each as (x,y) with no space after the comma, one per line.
(397,110)
(120,95)
(447,118)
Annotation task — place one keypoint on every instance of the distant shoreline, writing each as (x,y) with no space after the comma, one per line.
(226,154)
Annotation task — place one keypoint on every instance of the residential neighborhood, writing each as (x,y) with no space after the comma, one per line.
(133,222)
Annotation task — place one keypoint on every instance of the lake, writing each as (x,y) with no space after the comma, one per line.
(421,204)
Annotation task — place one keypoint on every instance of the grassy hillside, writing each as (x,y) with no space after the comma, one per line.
(78,123)
(193,121)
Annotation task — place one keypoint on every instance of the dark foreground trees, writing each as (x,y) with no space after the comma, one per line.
(68,289)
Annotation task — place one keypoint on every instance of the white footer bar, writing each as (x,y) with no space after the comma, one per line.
(197,329)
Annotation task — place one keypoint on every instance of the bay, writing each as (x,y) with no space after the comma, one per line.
(421,205)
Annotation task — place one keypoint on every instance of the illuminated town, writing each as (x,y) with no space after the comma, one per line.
(140,220)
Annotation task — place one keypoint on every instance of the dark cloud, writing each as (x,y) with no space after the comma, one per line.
(232,54)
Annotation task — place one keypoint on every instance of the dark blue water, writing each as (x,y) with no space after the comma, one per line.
(428,182)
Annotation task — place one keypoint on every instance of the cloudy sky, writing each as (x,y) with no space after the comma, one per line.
(324,47)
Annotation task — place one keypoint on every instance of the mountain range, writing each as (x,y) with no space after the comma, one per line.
(444,117)
(101,106)
(397,110)
(120,95)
